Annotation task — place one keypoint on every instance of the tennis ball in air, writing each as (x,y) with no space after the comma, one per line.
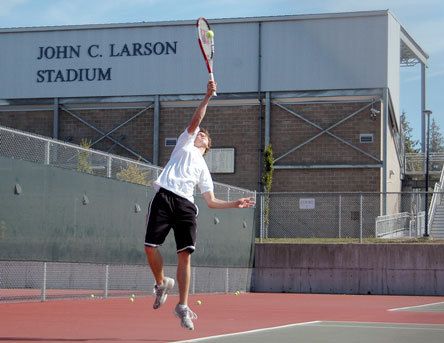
(199,302)
(210,34)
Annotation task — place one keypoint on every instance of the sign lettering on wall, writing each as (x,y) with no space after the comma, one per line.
(95,51)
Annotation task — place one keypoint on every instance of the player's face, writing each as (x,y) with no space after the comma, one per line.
(201,140)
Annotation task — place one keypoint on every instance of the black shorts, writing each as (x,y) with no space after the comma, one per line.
(169,210)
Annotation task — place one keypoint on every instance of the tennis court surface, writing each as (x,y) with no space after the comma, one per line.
(248,317)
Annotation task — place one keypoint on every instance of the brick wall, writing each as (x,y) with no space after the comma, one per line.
(38,122)
(288,131)
(238,127)
(137,134)
(326,180)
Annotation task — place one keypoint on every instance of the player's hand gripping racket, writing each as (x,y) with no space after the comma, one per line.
(206,42)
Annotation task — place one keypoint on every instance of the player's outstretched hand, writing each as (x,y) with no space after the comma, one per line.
(245,202)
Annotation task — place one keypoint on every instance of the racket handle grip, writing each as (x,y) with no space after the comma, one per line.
(212,79)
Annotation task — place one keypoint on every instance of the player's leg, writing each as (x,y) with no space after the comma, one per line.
(185,234)
(158,226)
(183,275)
(155,261)
(182,310)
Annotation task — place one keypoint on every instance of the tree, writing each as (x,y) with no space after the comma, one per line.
(436,138)
(84,163)
(267,179)
(410,145)
(132,173)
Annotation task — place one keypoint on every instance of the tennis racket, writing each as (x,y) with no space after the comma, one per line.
(205,36)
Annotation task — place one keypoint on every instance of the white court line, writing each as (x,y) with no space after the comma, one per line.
(370,325)
(247,332)
(408,307)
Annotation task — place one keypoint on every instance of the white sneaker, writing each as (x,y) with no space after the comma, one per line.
(161,292)
(186,316)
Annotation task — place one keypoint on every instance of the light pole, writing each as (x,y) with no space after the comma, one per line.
(426,214)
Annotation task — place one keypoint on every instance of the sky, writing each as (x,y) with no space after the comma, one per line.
(423,20)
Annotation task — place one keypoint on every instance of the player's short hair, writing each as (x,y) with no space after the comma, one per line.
(209,139)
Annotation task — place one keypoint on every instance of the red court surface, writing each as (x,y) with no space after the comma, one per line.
(121,320)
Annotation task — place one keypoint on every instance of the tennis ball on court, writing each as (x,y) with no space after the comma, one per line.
(210,34)
(199,302)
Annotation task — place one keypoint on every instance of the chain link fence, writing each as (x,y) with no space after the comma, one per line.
(41,281)
(343,215)
(34,148)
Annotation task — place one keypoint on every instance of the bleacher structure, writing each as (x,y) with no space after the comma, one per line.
(412,224)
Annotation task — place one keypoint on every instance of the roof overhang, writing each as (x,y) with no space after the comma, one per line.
(411,52)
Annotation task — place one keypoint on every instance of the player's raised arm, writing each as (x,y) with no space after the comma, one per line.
(201,110)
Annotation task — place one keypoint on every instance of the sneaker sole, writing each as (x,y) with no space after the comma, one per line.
(182,324)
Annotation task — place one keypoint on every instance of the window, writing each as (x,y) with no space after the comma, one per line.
(220,160)
(366,138)
(170,142)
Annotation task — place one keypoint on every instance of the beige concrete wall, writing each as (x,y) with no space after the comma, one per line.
(393,175)
(408,269)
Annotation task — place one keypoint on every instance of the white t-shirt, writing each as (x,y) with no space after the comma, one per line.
(185,169)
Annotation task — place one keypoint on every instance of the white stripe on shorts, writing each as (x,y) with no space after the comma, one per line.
(188,247)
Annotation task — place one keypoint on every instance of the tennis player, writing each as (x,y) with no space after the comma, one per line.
(173,207)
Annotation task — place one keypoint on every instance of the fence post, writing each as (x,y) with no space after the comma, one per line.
(109,164)
(43,294)
(47,152)
(261,220)
(227,280)
(193,280)
(360,218)
(106,280)
(340,218)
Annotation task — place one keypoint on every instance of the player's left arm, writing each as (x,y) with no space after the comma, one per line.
(213,202)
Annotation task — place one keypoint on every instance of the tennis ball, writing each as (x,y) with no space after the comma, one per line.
(210,34)
(199,302)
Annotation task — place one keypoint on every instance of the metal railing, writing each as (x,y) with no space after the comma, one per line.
(394,225)
(436,199)
(38,149)
(415,163)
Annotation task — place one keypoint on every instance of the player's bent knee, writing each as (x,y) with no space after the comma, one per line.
(149,250)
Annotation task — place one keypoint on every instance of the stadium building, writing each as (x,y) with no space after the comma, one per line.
(323,90)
